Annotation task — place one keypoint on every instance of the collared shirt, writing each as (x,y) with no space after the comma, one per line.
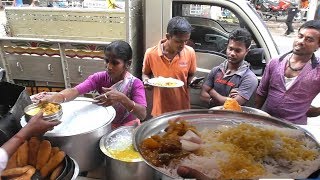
(183,64)
(291,104)
(102,79)
(244,80)
(3,159)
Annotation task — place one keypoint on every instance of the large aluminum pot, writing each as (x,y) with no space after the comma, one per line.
(201,118)
(120,167)
(83,125)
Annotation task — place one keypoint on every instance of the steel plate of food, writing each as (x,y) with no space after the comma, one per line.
(226,145)
(165,82)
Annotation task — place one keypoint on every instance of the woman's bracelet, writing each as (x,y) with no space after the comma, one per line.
(134,104)
(63,96)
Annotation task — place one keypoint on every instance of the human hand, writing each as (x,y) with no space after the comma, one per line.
(190,173)
(313,111)
(147,85)
(196,82)
(109,97)
(233,93)
(46,97)
(37,126)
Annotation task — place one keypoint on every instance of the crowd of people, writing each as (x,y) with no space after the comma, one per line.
(286,90)
(288,86)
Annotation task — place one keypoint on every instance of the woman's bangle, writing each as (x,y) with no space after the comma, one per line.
(64,97)
(134,104)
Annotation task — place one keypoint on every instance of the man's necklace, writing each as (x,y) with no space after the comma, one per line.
(294,69)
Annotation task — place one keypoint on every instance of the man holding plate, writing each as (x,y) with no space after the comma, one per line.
(171,58)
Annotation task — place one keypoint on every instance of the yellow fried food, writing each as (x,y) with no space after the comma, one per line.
(56,173)
(22,154)
(12,162)
(33,144)
(18,171)
(27,175)
(49,108)
(46,107)
(232,104)
(52,164)
(43,154)
(54,150)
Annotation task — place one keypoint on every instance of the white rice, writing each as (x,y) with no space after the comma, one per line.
(274,168)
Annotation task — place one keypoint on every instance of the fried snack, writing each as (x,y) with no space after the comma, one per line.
(49,108)
(232,104)
(12,162)
(27,175)
(22,155)
(54,150)
(52,164)
(33,144)
(56,173)
(18,171)
(43,154)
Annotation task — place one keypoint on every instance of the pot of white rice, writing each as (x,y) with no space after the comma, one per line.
(234,145)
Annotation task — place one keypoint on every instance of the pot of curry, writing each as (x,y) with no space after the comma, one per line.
(122,160)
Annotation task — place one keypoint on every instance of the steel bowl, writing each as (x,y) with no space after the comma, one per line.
(118,168)
(203,119)
(245,109)
(34,107)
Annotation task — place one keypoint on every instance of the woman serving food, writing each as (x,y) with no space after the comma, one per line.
(116,86)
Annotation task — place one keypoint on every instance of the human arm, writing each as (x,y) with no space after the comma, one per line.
(259,101)
(63,96)
(189,78)
(193,67)
(263,87)
(234,93)
(145,77)
(313,111)
(146,70)
(204,94)
(208,94)
(137,104)
(246,88)
(35,127)
(211,96)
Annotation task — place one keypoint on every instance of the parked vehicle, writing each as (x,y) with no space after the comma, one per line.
(268,9)
(51,49)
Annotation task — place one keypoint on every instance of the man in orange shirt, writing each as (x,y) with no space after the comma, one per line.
(171,58)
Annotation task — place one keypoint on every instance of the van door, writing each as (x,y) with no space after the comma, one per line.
(212,22)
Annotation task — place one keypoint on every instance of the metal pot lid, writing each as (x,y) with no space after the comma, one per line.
(80,116)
